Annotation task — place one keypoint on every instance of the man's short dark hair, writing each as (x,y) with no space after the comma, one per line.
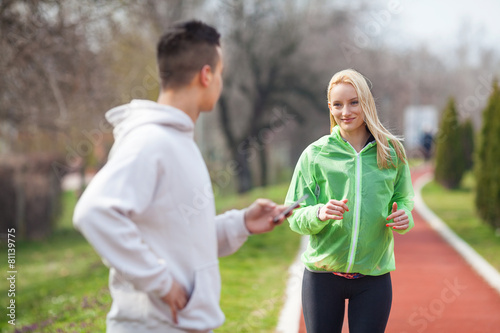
(183,51)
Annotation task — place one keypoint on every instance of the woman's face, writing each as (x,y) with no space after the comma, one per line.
(346,109)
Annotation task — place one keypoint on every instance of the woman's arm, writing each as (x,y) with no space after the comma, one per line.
(403,197)
(304,220)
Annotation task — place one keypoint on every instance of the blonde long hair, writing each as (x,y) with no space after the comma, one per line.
(379,132)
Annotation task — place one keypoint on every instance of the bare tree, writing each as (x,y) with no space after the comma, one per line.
(265,69)
(51,80)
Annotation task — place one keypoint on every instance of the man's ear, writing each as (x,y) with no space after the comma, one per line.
(206,75)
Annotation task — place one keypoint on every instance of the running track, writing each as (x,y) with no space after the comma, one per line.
(435,290)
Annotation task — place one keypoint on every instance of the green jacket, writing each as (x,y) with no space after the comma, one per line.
(330,168)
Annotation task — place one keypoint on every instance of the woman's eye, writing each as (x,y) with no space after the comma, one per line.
(354,102)
(336,105)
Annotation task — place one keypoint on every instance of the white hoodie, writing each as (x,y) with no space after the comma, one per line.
(150,214)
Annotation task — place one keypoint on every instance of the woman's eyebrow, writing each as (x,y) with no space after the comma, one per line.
(350,99)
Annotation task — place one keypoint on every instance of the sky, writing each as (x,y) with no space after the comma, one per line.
(443,24)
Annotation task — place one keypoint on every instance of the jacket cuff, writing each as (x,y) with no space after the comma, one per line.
(313,213)
(231,231)
(242,229)
(411,223)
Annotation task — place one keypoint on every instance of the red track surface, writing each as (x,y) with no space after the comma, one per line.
(434,289)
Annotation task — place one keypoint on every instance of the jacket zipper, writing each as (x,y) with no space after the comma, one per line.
(357,208)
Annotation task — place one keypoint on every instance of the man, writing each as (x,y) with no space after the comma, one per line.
(150,211)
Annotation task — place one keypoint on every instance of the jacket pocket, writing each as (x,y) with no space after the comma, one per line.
(203,311)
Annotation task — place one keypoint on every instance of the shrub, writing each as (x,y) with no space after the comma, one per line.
(450,163)
(468,144)
(488,161)
(30,195)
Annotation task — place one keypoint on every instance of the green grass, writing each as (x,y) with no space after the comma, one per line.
(61,283)
(254,278)
(457,209)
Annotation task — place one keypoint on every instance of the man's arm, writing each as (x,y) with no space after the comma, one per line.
(234,226)
(123,188)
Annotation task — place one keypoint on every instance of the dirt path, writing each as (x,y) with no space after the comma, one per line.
(435,290)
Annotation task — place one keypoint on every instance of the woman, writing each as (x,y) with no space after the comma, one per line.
(360,191)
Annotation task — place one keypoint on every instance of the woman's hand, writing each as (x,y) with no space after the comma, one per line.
(333,210)
(399,217)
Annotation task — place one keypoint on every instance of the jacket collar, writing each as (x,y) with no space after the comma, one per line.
(336,134)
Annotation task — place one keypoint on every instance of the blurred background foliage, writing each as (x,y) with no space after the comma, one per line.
(65,62)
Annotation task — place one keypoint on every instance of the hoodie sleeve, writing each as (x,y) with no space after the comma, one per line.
(403,193)
(231,231)
(304,220)
(123,188)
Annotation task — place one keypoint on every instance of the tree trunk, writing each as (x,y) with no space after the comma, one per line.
(263,164)
(240,150)
(20,200)
(244,174)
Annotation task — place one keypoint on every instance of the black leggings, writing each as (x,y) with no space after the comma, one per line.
(323,302)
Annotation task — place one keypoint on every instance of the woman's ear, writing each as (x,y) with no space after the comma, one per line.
(330,107)
(206,75)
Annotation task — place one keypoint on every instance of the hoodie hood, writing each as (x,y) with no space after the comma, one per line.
(137,113)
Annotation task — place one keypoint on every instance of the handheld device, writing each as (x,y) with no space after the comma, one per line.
(290,208)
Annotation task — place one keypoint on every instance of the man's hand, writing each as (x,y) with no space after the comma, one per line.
(176,299)
(259,216)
